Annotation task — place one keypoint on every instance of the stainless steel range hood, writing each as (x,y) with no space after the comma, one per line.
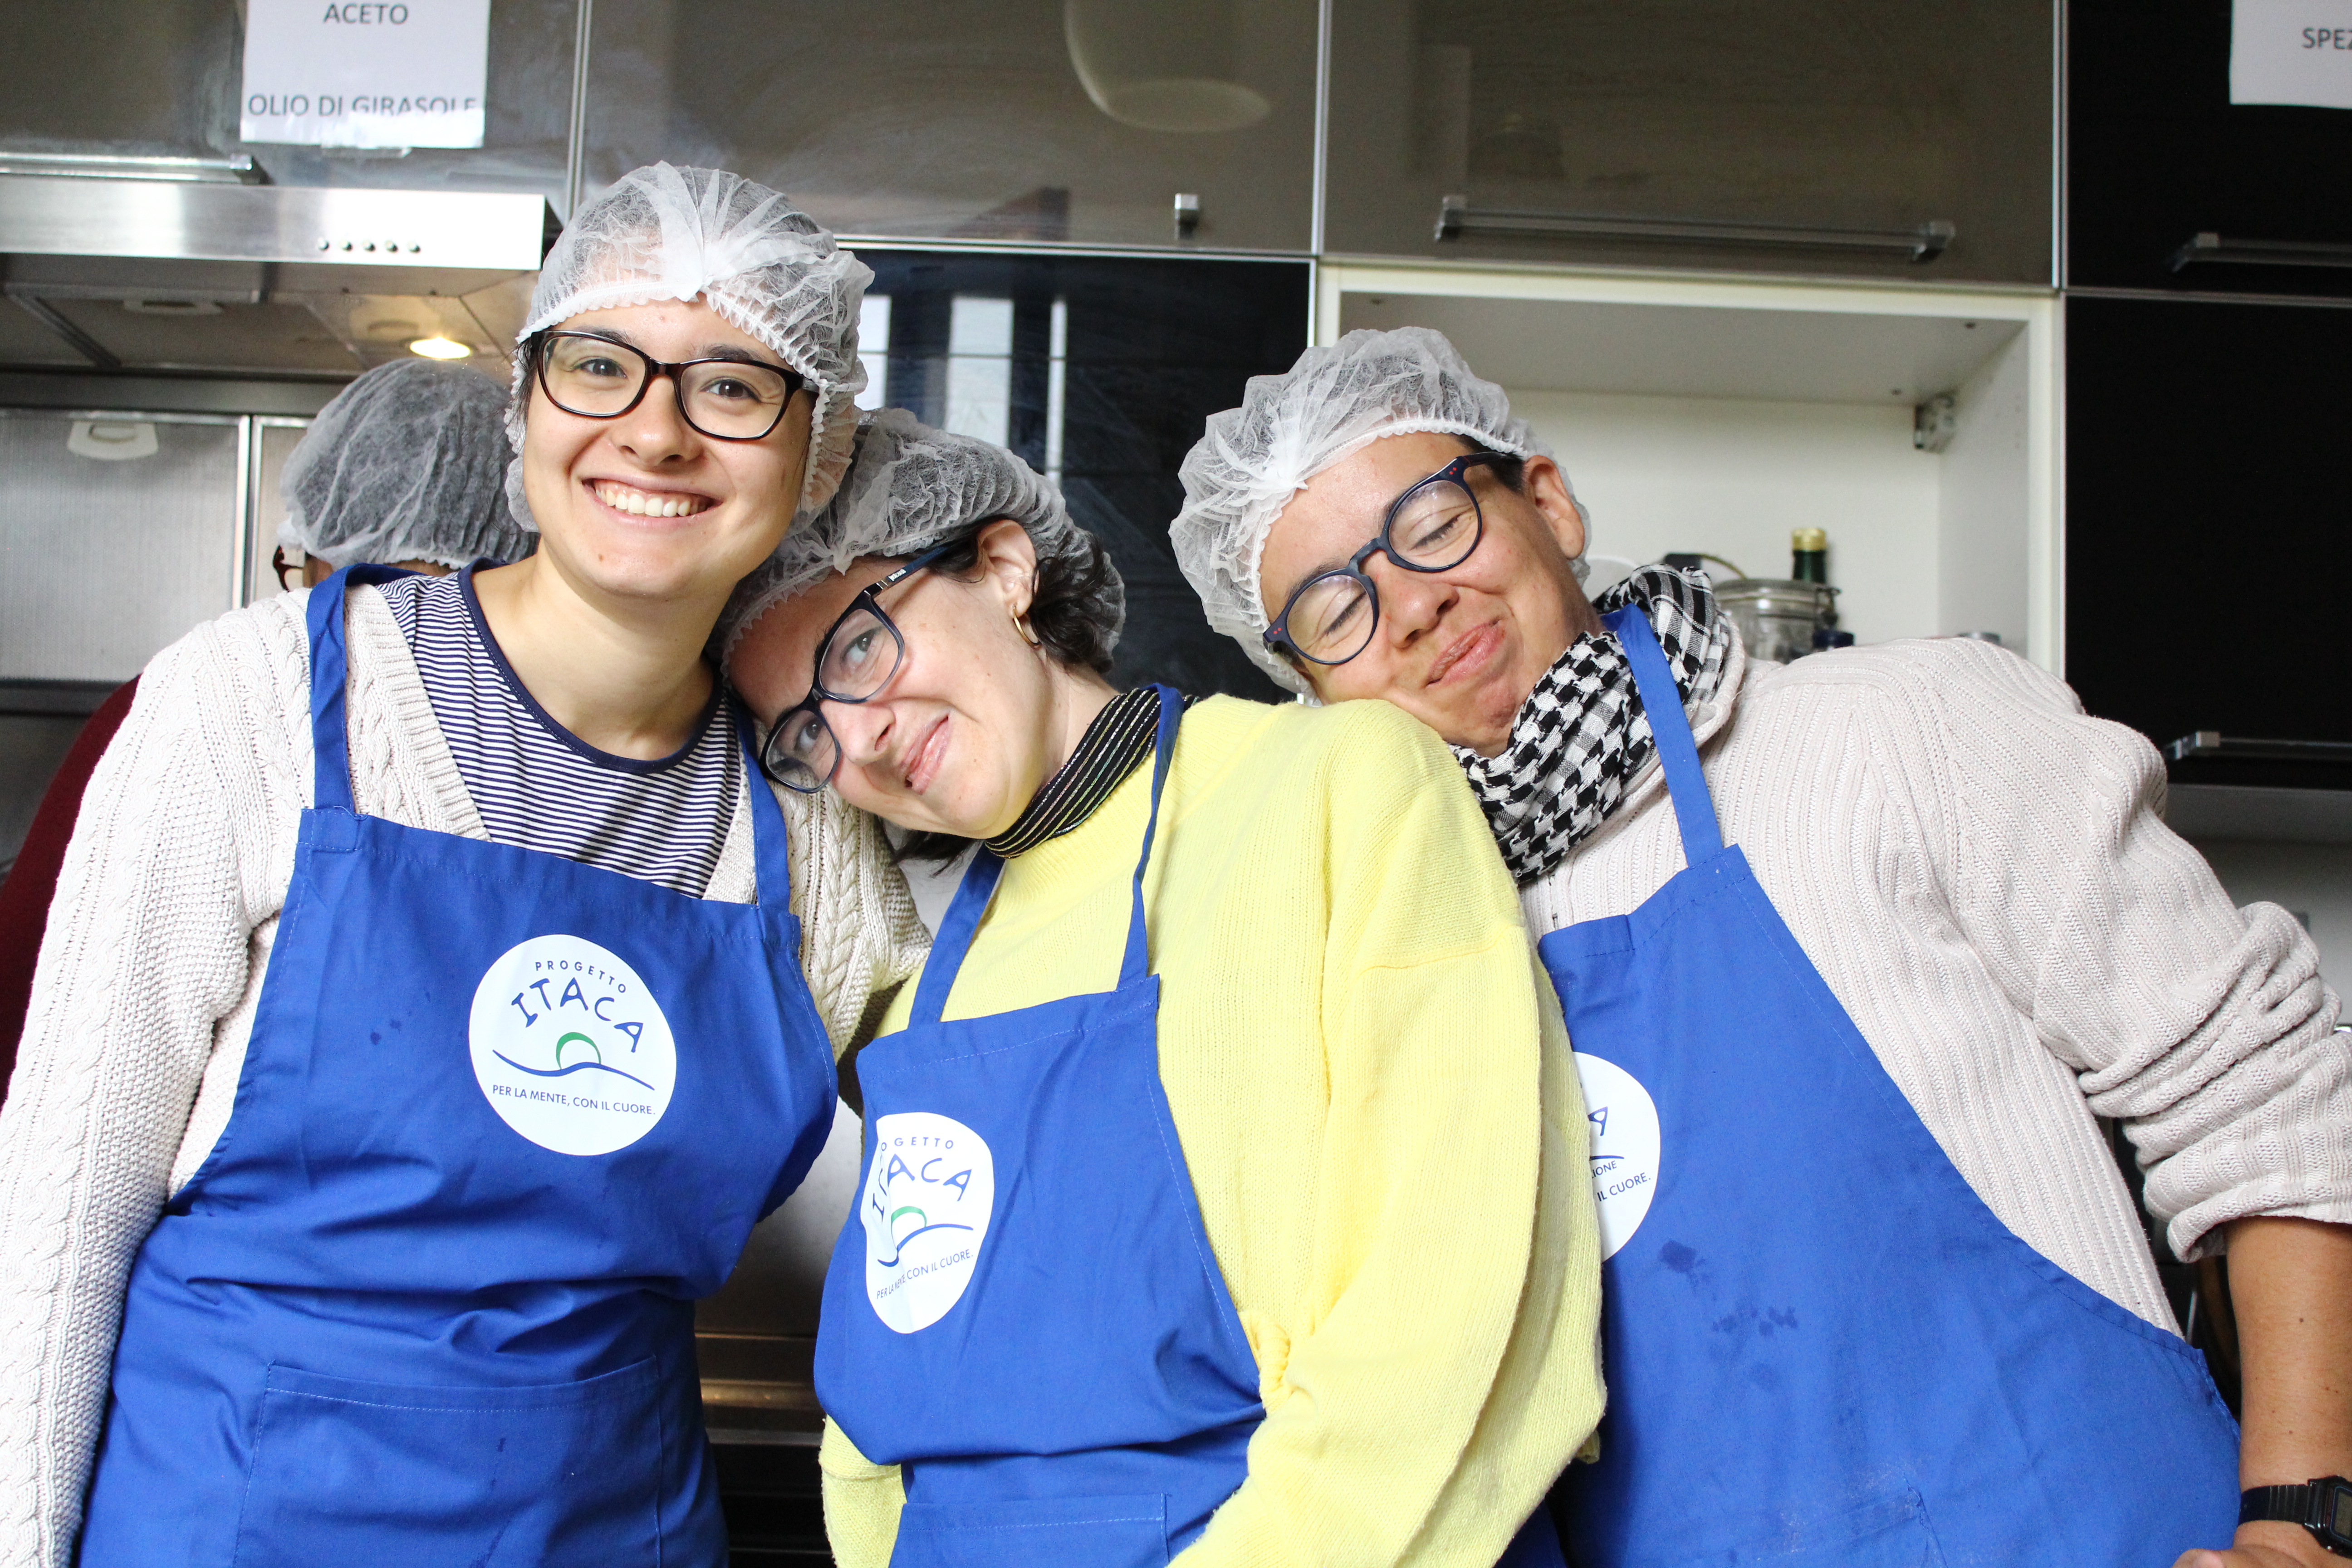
(197,272)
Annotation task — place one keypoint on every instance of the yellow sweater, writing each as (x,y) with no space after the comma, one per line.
(1372,1086)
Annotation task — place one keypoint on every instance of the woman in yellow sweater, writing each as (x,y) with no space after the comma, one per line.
(1225,1188)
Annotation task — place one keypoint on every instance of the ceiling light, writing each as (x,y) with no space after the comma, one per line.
(440,348)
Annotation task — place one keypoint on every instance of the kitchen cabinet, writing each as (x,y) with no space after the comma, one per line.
(1035,120)
(274,440)
(142,78)
(2158,156)
(1785,136)
(121,533)
(2209,524)
(1718,416)
(526,137)
(130,77)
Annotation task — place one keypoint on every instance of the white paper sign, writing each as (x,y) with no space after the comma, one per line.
(366,73)
(2291,51)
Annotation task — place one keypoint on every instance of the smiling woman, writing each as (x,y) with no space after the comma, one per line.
(1209,957)
(454,907)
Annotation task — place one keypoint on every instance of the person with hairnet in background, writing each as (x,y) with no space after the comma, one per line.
(1853,954)
(405,467)
(433,997)
(1224,1189)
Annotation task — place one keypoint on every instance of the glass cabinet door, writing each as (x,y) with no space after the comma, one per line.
(2202,473)
(1101,373)
(1079,121)
(131,78)
(134,77)
(2170,186)
(526,134)
(1835,137)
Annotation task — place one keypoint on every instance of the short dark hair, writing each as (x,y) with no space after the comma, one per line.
(1066,610)
(1067,615)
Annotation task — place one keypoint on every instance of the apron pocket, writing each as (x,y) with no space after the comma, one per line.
(1122,1530)
(1892,1532)
(558,1474)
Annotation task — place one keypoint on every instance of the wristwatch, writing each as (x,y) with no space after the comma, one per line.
(2323,1507)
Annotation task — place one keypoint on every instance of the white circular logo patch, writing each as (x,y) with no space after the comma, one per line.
(569,1047)
(1624,1148)
(929,1196)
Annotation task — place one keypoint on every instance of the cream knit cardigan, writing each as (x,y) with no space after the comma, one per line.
(1982,875)
(157,945)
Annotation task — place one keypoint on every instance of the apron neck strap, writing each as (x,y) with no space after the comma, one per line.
(772,857)
(330,674)
(1663,701)
(954,938)
(1137,962)
(956,931)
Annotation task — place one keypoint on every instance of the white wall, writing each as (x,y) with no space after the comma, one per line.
(2313,881)
(1982,574)
(1735,476)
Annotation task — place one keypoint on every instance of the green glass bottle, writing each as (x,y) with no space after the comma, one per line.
(1809,553)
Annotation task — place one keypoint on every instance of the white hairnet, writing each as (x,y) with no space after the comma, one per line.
(912,487)
(407,463)
(766,266)
(1290,427)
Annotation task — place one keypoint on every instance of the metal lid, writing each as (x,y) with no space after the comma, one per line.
(1767,593)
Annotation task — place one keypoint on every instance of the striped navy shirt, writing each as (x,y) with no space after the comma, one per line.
(537,785)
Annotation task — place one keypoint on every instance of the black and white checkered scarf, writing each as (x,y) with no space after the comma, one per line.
(1581,733)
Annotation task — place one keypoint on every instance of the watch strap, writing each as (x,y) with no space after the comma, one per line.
(2288,1505)
(2322,1506)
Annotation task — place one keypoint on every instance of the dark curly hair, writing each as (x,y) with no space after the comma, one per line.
(1064,610)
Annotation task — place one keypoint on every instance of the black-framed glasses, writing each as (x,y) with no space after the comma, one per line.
(860,652)
(1432,527)
(598,377)
(280,564)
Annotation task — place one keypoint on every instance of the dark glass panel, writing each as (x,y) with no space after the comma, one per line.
(1152,349)
(2209,517)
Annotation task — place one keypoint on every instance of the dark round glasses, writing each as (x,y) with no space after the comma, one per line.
(860,652)
(601,378)
(1431,526)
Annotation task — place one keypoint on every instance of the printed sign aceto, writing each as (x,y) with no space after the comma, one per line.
(1626,1148)
(569,1047)
(366,73)
(929,1193)
(2291,51)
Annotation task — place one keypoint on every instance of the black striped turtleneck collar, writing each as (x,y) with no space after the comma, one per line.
(1114,746)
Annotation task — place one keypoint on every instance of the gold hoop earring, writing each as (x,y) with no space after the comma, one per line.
(1020,625)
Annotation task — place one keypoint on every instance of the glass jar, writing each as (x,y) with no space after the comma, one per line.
(1776,616)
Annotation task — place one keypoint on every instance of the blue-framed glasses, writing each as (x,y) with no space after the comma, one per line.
(859,654)
(1431,526)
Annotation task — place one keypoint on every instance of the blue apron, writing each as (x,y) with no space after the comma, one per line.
(430,1300)
(1823,1348)
(1027,1315)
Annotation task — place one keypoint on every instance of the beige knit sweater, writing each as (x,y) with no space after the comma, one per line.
(157,946)
(1982,875)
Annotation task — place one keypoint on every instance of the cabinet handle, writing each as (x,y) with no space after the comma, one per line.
(2214,743)
(2210,247)
(233,171)
(1456,217)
